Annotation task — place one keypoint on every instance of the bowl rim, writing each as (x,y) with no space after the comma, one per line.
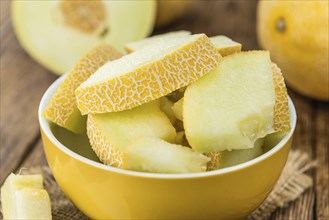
(45,127)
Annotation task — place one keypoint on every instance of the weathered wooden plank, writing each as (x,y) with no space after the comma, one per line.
(303,208)
(23,82)
(35,158)
(322,156)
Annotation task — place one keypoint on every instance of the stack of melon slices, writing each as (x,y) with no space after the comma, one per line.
(178,103)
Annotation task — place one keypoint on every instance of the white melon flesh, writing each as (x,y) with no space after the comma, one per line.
(235,157)
(137,45)
(177,108)
(57,33)
(23,197)
(225,45)
(232,106)
(158,156)
(110,134)
(147,74)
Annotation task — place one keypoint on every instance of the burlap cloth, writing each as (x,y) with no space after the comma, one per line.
(292,183)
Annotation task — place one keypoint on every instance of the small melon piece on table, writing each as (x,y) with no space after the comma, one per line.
(110,133)
(58,33)
(225,45)
(137,45)
(147,74)
(158,156)
(166,107)
(232,106)
(62,108)
(178,109)
(23,197)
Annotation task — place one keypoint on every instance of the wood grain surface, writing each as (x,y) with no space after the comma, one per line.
(23,82)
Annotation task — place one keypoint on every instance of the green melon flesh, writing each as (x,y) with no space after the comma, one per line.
(235,157)
(43,30)
(158,156)
(232,106)
(225,45)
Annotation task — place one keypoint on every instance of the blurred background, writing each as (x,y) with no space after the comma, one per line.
(295,32)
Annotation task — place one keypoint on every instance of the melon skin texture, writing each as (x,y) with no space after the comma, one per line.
(23,197)
(137,45)
(110,134)
(233,105)
(296,34)
(158,156)
(62,108)
(55,34)
(147,74)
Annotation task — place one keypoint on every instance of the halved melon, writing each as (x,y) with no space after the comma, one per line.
(225,45)
(57,33)
(23,197)
(147,74)
(62,108)
(232,106)
(137,45)
(110,134)
(158,156)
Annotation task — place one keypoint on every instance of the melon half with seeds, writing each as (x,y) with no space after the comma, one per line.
(111,133)
(147,74)
(235,104)
(62,108)
(57,33)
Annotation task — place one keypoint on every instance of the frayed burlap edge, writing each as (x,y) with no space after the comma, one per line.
(292,183)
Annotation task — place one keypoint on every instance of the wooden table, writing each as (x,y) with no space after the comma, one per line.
(23,81)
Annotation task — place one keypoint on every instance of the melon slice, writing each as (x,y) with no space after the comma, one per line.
(23,197)
(232,106)
(110,134)
(147,74)
(235,157)
(225,45)
(158,156)
(57,33)
(166,106)
(177,109)
(137,45)
(62,108)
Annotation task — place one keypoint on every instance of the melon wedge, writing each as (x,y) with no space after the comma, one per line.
(147,74)
(110,134)
(235,157)
(57,33)
(23,197)
(137,45)
(166,106)
(62,108)
(225,45)
(232,106)
(158,156)
(177,109)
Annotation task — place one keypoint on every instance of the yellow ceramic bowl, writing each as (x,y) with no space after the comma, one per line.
(104,192)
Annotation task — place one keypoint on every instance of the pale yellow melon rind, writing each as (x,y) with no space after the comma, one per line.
(105,151)
(62,109)
(214,162)
(281,108)
(152,80)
